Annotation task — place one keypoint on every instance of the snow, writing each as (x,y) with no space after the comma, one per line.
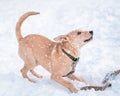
(98,57)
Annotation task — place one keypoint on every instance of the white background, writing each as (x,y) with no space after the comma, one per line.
(100,56)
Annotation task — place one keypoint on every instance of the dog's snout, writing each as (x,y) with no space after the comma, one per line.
(91,32)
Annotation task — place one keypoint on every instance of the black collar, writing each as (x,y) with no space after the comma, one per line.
(74,59)
(73,65)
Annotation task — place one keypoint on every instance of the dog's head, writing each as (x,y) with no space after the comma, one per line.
(77,38)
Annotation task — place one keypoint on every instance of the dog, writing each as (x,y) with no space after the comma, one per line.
(58,56)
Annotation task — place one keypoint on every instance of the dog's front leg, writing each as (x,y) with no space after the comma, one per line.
(74,77)
(58,78)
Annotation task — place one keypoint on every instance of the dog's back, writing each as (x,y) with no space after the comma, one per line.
(38,47)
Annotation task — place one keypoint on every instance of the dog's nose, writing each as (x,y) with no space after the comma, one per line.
(91,32)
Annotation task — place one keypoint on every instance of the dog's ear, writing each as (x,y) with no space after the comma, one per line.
(62,38)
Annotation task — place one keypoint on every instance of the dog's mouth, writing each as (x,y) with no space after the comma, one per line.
(87,40)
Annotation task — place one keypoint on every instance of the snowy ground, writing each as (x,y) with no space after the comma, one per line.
(99,57)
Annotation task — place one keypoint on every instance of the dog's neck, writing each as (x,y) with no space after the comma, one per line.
(70,49)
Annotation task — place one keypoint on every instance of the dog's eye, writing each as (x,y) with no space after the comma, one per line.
(78,33)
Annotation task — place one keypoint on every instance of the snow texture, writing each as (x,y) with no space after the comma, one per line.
(100,56)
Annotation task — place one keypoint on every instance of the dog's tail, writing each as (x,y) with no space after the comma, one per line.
(19,23)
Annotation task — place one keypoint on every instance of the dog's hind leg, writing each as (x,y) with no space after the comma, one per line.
(29,64)
(35,74)
(24,72)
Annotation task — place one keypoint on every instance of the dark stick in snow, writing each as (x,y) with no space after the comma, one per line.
(109,75)
(105,81)
(96,88)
